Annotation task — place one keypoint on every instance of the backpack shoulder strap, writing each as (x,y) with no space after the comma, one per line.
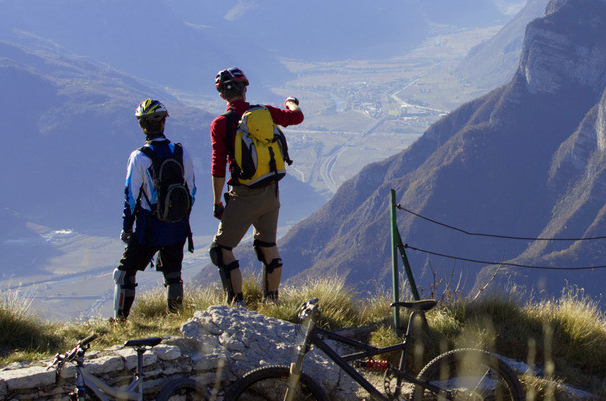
(178,153)
(149,152)
(281,138)
(231,116)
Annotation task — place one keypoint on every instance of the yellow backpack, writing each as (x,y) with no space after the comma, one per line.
(259,150)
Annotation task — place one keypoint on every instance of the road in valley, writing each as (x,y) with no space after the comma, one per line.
(328,164)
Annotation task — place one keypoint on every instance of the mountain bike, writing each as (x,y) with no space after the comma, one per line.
(461,374)
(90,387)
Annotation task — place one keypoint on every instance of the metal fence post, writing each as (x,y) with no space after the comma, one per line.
(396,245)
(394,262)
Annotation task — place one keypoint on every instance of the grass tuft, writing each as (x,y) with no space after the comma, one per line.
(22,334)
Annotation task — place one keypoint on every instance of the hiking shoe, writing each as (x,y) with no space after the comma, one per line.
(117,322)
(270,297)
(270,301)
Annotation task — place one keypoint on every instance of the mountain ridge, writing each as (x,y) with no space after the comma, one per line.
(495,61)
(487,167)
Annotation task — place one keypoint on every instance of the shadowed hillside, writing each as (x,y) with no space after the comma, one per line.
(72,126)
(523,160)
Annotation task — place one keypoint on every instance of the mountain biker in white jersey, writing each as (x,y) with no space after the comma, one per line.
(151,235)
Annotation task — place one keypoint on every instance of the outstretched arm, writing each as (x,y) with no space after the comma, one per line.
(291,115)
(218,183)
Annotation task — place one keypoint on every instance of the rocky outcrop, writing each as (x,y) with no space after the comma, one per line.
(218,346)
(558,54)
(246,340)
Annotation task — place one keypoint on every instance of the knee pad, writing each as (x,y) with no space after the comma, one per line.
(267,270)
(216,254)
(124,279)
(225,275)
(274,264)
(172,278)
(124,293)
(257,244)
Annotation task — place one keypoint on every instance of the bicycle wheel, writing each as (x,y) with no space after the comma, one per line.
(269,383)
(469,374)
(183,390)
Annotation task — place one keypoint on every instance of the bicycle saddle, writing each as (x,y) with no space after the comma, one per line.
(418,306)
(144,342)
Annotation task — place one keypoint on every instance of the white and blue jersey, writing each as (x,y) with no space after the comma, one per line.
(138,211)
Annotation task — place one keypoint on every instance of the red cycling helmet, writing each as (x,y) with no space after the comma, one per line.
(230,79)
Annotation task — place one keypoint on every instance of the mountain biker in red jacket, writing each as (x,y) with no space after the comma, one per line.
(244,206)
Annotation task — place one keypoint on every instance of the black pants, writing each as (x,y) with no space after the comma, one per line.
(136,257)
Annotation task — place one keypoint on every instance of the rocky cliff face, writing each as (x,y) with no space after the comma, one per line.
(492,63)
(559,53)
(523,160)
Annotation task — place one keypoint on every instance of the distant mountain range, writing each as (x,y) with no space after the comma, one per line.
(146,40)
(69,128)
(320,30)
(525,160)
(182,44)
(71,74)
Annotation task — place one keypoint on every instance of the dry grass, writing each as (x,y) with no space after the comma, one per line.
(563,340)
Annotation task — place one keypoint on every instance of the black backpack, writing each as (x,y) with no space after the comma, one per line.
(174,202)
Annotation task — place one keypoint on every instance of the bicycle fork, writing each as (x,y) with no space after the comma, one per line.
(80,390)
(296,367)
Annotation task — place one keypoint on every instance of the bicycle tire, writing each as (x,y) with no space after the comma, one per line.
(183,390)
(269,383)
(475,374)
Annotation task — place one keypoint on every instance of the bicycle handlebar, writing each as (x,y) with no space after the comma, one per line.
(88,339)
(78,350)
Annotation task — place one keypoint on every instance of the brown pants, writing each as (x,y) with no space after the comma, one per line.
(244,207)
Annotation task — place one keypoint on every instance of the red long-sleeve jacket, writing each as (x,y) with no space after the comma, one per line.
(218,131)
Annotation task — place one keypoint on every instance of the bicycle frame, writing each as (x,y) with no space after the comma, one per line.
(318,337)
(87,381)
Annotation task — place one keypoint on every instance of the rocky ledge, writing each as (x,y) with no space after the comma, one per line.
(218,346)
